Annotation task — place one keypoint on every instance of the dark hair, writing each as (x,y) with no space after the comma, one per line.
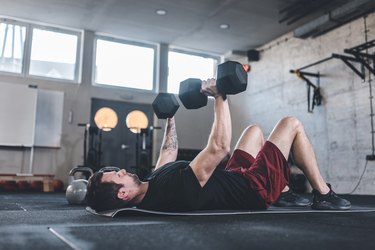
(102,196)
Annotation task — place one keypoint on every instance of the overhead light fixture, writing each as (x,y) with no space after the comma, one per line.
(224,26)
(161,12)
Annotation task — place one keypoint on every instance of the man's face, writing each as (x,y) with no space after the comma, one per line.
(121,177)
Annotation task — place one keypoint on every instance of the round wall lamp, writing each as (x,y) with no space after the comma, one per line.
(106,119)
(136,120)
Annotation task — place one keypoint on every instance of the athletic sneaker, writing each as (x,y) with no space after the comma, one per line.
(329,201)
(291,199)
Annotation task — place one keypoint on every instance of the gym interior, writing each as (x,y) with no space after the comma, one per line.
(79,80)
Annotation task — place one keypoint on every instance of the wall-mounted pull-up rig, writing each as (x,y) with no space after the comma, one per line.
(355,55)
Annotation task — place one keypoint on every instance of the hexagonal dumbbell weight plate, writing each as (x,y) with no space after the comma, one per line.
(190,94)
(165,105)
(231,78)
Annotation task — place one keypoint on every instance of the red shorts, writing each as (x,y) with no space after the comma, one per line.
(268,173)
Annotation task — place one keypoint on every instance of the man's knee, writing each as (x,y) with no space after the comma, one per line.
(292,122)
(254,131)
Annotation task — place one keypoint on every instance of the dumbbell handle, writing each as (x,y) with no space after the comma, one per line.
(219,90)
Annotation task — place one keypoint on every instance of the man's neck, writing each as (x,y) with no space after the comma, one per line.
(141,193)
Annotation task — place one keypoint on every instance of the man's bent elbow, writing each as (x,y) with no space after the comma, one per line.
(220,150)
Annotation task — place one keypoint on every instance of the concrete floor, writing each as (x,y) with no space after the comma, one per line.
(46,221)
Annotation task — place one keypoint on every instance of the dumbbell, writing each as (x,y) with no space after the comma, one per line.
(231,79)
(165,105)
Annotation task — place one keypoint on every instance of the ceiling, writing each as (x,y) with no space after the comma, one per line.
(188,24)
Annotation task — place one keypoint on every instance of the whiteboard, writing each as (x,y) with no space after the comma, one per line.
(17,114)
(29,116)
(49,110)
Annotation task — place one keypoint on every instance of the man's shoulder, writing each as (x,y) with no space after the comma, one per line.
(169,168)
(180,162)
(174,165)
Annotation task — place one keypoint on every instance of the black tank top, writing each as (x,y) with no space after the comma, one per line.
(174,187)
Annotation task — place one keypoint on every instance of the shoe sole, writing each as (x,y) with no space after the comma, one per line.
(293,205)
(328,207)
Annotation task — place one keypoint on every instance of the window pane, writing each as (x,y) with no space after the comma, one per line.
(53,54)
(12,40)
(182,66)
(124,65)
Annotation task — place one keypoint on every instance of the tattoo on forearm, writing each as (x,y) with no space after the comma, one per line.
(170,137)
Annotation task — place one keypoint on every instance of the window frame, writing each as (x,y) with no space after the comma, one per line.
(77,67)
(127,42)
(28,44)
(24,52)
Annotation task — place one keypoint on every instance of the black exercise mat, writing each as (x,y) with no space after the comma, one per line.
(272,210)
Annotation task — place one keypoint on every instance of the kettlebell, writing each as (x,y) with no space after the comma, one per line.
(76,191)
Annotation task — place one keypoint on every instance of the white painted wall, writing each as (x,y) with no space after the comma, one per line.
(340,128)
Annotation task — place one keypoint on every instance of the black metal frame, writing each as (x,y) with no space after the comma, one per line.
(356,55)
(317,97)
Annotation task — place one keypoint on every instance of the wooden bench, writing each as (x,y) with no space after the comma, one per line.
(47,179)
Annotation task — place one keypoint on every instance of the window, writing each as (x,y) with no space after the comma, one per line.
(33,50)
(54,54)
(121,64)
(12,43)
(183,65)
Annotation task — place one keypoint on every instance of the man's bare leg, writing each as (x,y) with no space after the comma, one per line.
(289,135)
(251,140)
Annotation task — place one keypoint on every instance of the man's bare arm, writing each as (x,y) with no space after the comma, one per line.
(218,145)
(169,146)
